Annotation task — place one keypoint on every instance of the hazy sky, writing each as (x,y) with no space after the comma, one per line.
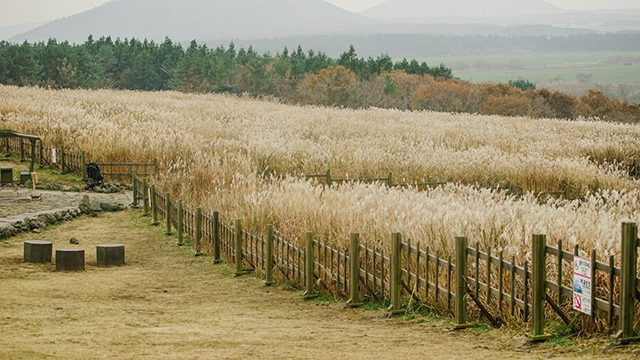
(13,12)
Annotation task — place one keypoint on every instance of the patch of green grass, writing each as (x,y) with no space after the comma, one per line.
(446,323)
(480,329)
(562,335)
(228,271)
(408,316)
(373,305)
(46,175)
(325,300)
(562,341)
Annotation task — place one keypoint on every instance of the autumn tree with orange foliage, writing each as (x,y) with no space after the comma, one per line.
(333,86)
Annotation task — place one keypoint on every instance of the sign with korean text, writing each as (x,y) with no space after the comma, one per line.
(582,285)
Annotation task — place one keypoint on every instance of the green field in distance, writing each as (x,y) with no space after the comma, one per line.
(593,67)
(604,75)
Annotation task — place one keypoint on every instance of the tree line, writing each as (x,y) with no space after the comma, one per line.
(463,44)
(146,65)
(298,77)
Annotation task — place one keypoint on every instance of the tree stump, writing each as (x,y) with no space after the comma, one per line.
(36,251)
(70,259)
(110,254)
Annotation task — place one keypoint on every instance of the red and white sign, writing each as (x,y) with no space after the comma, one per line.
(582,285)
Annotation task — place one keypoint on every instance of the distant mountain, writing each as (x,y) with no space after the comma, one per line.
(596,4)
(16,12)
(438,9)
(201,20)
(6,32)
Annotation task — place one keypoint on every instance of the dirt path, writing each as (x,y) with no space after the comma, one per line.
(165,304)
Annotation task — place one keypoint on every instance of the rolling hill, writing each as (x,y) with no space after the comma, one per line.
(8,31)
(201,20)
(469,9)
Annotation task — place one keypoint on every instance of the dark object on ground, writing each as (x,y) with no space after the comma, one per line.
(6,176)
(70,259)
(110,254)
(24,177)
(74,241)
(94,177)
(36,251)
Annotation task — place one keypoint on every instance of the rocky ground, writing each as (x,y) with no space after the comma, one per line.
(19,212)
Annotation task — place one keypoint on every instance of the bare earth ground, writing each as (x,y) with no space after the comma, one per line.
(17,201)
(166,304)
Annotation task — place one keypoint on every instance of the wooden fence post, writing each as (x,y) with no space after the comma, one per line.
(154,206)
(269,256)
(180,224)
(145,196)
(83,165)
(198,231)
(238,247)
(62,160)
(354,271)
(22,159)
(461,283)
(395,273)
(134,176)
(539,272)
(168,212)
(390,180)
(33,154)
(155,170)
(629,263)
(41,151)
(216,238)
(309,261)
(328,178)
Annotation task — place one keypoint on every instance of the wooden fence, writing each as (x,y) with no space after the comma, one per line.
(388,180)
(68,162)
(500,289)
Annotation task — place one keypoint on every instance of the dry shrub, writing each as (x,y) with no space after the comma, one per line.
(333,86)
(447,96)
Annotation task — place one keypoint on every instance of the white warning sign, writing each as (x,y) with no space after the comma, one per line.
(53,156)
(582,285)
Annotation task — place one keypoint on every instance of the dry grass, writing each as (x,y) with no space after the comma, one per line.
(165,304)
(216,147)
(248,135)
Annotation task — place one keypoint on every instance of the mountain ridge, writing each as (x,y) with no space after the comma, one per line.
(418,9)
(200,20)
